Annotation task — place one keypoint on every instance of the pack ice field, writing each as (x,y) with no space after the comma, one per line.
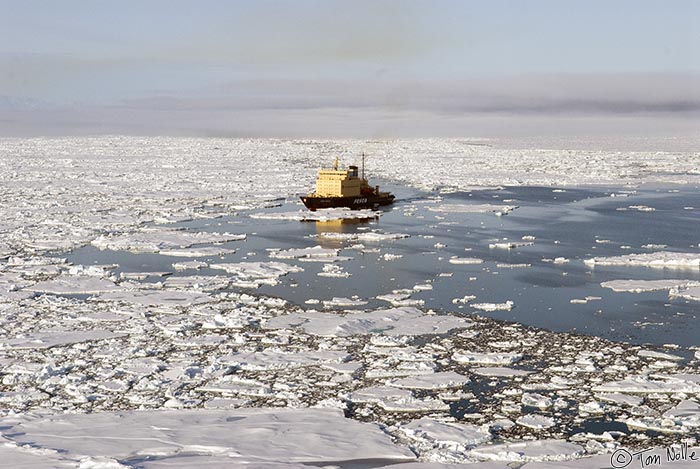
(169,302)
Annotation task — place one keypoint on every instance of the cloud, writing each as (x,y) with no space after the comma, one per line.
(533,105)
(552,94)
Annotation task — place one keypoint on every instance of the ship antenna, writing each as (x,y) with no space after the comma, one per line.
(335,164)
(363,165)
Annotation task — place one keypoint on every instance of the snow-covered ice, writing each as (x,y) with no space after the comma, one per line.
(472,208)
(638,286)
(465,260)
(290,435)
(431,381)
(506,306)
(329,387)
(255,274)
(487,358)
(396,322)
(660,259)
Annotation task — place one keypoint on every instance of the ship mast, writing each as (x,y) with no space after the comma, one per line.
(363,165)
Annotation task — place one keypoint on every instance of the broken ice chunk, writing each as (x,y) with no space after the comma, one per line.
(443,380)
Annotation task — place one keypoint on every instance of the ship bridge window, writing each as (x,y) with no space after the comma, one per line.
(353,171)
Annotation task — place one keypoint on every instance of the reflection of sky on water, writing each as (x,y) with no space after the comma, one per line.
(575,224)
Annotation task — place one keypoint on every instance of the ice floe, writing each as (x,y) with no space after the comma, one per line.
(395,322)
(542,450)
(156,297)
(367,237)
(333,271)
(291,435)
(661,259)
(465,260)
(499,372)
(507,306)
(393,399)
(535,421)
(213,251)
(269,359)
(448,434)
(486,358)
(473,208)
(440,380)
(689,293)
(53,338)
(510,244)
(643,384)
(315,253)
(74,285)
(637,286)
(255,274)
(156,240)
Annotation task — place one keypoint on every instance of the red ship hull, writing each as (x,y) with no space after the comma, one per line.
(354,203)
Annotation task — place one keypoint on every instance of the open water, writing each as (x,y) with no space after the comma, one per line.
(572,223)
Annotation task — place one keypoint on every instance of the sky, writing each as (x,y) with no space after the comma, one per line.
(331,68)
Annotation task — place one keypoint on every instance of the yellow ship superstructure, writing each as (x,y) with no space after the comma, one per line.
(339,182)
(345,188)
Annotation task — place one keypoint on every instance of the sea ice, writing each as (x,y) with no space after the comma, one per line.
(619,398)
(510,244)
(500,372)
(367,237)
(536,400)
(249,437)
(689,293)
(400,321)
(638,286)
(535,421)
(157,297)
(311,253)
(524,451)
(661,259)
(659,355)
(507,306)
(486,358)
(465,260)
(642,384)
(442,380)
(450,434)
(255,274)
(396,400)
(473,208)
(273,359)
(206,251)
(155,240)
(339,302)
(74,285)
(333,271)
(48,339)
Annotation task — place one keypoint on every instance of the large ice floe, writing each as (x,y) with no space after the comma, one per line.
(473,208)
(396,321)
(255,274)
(661,260)
(237,438)
(638,286)
(105,367)
(157,240)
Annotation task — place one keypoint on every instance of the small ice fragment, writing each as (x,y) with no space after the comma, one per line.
(465,260)
(507,306)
